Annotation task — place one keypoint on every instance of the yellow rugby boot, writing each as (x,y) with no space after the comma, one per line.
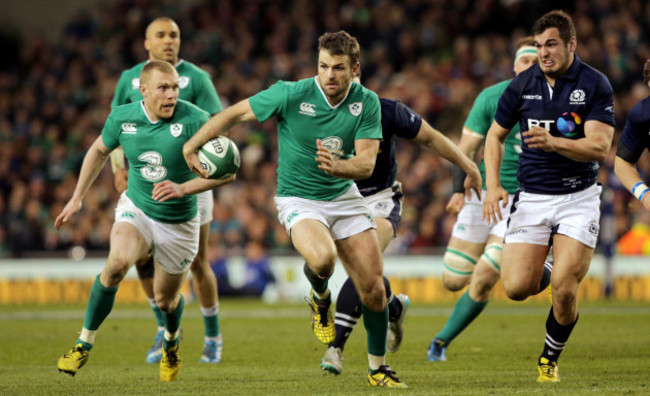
(384,377)
(170,364)
(547,371)
(322,323)
(72,361)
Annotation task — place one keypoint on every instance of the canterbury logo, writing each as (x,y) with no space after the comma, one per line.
(129,128)
(307,109)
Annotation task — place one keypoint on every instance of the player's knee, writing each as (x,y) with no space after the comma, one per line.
(373,293)
(116,269)
(516,290)
(323,263)
(457,270)
(166,304)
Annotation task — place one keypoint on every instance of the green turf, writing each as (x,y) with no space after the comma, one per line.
(270,350)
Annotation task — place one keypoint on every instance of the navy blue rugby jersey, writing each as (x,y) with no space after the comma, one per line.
(581,94)
(636,133)
(397,119)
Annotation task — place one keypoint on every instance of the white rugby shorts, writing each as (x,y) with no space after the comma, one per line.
(537,217)
(205,201)
(345,215)
(471,227)
(174,246)
(387,204)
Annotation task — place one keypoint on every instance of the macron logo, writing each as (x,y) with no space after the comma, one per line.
(129,128)
(531,97)
(307,109)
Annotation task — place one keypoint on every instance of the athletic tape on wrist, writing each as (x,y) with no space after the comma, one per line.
(639,190)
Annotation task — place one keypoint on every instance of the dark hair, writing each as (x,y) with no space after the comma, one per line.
(340,43)
(525,41)
(646,71)
(556,19)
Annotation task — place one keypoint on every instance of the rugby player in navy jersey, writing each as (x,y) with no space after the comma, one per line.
(565,111)
(633,142)
(383,194)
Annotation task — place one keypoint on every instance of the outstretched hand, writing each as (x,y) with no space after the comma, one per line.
(491,209)
(72,207)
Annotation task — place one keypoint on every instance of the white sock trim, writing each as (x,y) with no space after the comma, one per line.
(212,311)
(152,302)
(171,337)
(375,361)
(87,336)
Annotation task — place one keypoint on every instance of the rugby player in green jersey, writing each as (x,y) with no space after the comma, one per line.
(329,131)
(157,212)
(162,42)
(474,250)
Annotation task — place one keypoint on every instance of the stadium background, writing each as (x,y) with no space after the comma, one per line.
(60,66)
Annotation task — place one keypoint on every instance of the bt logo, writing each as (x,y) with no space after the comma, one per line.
(567,123)
(546,124)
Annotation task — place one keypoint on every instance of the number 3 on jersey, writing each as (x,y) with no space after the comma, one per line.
(153,171)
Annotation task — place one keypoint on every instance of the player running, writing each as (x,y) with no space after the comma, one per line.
(162,42)
(157,213)
(474,252)
(383,194)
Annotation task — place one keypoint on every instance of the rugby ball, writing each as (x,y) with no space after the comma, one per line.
(219,157)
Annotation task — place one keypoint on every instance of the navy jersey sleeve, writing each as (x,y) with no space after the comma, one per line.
(602,108)
(407,122)
(635,138)
(507,114)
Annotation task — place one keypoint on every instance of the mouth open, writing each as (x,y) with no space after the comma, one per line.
(168,107)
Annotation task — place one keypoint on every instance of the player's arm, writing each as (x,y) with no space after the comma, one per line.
(218,125)
(93,163)
(493,156)
(628,152)
(357,168)
(593,147)
(441,145)
(469,143)
(166,190)
(120,174)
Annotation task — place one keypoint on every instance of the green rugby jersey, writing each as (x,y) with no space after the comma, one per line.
(479,120)
(303,115)
(195,86)
(154,151)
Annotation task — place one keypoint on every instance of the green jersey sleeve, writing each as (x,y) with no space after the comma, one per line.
(270,102)
(111,133)
(370,127)
(480,116)
(206,95)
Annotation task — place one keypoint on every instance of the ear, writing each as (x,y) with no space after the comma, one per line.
(573,43)
(143,90)
(355,69)
(146,45)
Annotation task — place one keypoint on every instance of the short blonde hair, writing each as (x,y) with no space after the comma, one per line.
(149,67)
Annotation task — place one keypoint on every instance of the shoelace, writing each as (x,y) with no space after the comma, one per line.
(388,372)
(172,357)
(323,311)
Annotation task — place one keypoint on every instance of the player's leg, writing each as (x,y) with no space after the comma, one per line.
(472,302)
(465,246)
(362,259)
(128,245)
(205,285)
(312,239)
(166,288)
(175,247)
(146,271)
(573,246)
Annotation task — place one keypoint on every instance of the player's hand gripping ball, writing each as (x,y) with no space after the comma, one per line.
(219,157)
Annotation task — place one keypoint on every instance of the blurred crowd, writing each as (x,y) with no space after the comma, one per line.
(434,55)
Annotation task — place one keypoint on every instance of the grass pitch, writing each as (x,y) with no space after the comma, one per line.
(270,350)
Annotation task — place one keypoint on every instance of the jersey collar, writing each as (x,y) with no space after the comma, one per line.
(325,96)
(144,110)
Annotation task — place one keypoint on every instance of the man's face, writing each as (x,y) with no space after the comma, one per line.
(335,75)
(555,56)
(163,41)
(160,93)
(524,62)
